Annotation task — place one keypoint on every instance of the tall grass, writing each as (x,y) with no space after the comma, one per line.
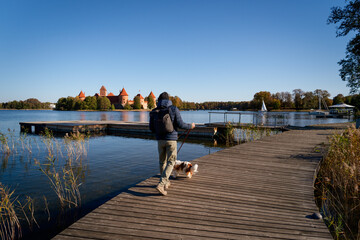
(62,165)
(12,211)
(25,142)
(338,185)
(65,180)
(4,141)
(9,223)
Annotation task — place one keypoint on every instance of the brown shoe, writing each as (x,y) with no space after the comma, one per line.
(161,190)
(167,185)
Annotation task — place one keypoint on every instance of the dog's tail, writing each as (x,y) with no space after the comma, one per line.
(195,167)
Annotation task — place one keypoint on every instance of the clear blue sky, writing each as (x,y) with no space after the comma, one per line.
(199,50)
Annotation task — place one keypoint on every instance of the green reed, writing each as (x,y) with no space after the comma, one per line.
(62,166)
(9,223)
(65,180)
(12,211)
(337,185)
(4,141)
(26,142)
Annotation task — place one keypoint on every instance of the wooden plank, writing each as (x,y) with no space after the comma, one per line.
(257,190)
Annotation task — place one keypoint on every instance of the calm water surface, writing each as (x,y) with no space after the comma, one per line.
(112,163)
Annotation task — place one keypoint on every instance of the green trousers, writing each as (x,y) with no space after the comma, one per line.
(167,157)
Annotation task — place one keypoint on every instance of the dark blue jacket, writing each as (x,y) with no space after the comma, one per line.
(175,118)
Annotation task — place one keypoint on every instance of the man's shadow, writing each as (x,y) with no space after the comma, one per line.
(140,190)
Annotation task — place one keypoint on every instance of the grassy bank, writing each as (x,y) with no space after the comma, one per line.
(338,183)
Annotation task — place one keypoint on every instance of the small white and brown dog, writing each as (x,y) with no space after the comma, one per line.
(185,167)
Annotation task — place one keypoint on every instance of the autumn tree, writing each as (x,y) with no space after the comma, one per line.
(276,104)
(259,97)
(349,19)
(176,101)
(285,99)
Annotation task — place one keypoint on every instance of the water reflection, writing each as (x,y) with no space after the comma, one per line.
(143,116)
(82,116)
(124,116)
(103,117)
(4,162)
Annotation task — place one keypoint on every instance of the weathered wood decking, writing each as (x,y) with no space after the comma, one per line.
(257,190)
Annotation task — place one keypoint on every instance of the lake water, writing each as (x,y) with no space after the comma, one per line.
(110,165)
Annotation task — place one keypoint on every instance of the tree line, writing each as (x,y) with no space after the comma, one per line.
(31,103)
(297,100)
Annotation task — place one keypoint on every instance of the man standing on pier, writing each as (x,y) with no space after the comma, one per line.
(165,120)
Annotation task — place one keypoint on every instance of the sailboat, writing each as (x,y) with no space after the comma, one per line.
(262,114)
(263,107)
(320,113)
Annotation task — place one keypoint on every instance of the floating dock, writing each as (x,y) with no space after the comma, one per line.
(201,131)
(116,127)
(257,190)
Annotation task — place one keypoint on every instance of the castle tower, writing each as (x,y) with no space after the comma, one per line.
(103,92)
(124,97)
(81,96)
(152,95)
(142,101)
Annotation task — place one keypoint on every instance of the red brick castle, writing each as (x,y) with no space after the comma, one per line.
(121,100)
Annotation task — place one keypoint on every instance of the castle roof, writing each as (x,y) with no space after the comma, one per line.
(123,92)
(103,88)
(81,94)
(141,97)
(152,95)
(110,94)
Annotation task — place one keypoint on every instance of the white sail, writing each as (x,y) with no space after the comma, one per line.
(263,107)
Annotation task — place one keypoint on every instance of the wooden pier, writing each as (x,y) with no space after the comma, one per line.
(201,131)
(257,190)
(117,127)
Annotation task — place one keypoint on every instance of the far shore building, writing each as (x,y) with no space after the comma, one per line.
(120,100)
(82,96)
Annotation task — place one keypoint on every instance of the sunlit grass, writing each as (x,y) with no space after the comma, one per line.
(338,185)
(10,227)
(61,161)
